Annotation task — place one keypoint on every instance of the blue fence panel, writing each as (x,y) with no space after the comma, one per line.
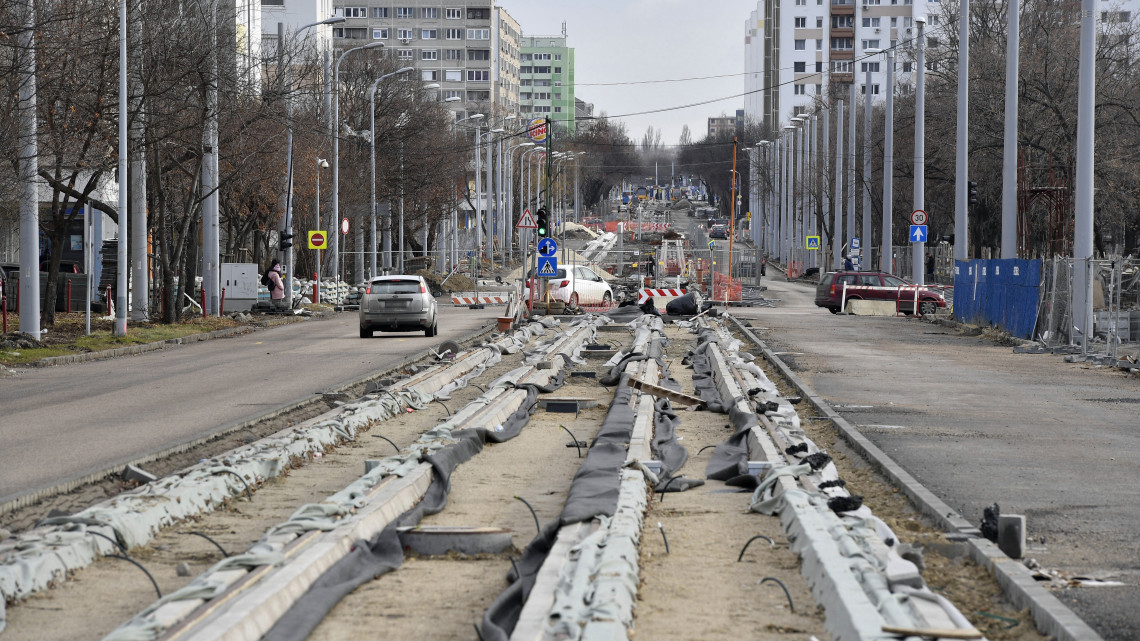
(1003,293)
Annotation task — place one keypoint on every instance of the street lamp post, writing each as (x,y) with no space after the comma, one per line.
(886,262)
(455,218)
(866,241)
(918,270)
(478,119)
(510,207)
(288,227)
(372,160)
(336,156)
(321,164)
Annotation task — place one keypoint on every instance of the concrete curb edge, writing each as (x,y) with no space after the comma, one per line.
(64,487)
(1051,616)
(142,348)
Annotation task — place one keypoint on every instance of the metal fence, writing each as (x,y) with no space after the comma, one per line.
(1115,286)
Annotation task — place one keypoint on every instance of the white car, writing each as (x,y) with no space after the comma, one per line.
(575,286)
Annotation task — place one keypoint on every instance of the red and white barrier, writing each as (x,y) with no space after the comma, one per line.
(479,300)
(645,294)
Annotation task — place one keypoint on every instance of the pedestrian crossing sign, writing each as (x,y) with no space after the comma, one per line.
(547,266)
(813,242)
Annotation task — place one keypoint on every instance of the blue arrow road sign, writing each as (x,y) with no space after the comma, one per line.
(547,266)
(712,245)
(547,247)
(918,233)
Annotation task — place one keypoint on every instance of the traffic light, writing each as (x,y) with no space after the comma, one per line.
(286,241)
(972,188)
(542,219)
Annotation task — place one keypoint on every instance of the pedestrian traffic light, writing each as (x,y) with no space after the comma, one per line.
(542,219)
(286,241)
(972,188)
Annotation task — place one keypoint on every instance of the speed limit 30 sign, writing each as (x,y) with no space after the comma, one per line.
(918,217)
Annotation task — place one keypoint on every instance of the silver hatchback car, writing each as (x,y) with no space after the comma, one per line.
(397,304)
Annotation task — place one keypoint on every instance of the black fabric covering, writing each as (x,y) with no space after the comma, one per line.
(384,553)
(376,557)
(730,457)
(665,446)
(682,306)
(703,381)
(593,492)
(616,372)
(626,313)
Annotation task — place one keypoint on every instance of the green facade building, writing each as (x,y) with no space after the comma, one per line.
(546,79)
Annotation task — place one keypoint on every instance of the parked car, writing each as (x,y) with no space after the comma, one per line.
(718,231)
(398,303)
(829,292)
(575,286)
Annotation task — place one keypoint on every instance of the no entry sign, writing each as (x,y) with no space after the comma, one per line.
(317,240)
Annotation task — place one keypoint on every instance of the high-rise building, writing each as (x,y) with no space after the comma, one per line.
(796,50)
(546,73)
(470,48)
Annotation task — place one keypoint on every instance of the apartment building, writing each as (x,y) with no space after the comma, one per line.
(796,50)
(470,48)
(546,76)
(719,124)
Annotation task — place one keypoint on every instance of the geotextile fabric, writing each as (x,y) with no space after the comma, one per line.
(384,553)
(595,490)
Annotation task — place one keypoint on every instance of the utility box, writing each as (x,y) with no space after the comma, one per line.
(240,282)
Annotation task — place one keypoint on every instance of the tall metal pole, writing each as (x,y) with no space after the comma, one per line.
(851,122)
(140,275)
(500,213)
(478,249)
(489,220)
(372,166)
(837,242)
(334,128)
(962,162)
(121,281)
(918,270)
(886,258)
(1009,159)
(865,257)
(1086,140)
(211,232)
(317,212)
(28,164)
(789,194)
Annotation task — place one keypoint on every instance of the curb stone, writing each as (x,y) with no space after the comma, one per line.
(142,348)
(1017,583)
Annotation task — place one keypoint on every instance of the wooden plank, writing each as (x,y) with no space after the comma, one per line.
(676,397)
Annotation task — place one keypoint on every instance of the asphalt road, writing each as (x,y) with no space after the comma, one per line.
(61,423)
(978,424)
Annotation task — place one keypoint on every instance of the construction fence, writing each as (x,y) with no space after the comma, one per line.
(1115,319)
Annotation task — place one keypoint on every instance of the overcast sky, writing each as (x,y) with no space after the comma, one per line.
(622,41)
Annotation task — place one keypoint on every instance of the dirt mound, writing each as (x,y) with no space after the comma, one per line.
(457,282)
(681,204)
(578,232)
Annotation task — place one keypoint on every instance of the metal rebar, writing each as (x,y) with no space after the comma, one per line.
(667,484)
(113,541)
(248,493)
(139,566)
(216,544)
(387,439)
(444,406)
(536,525)
(575,440)
(771,544)
(663,537)
(782,587)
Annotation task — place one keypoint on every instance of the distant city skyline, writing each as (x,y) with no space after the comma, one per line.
(625,41)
